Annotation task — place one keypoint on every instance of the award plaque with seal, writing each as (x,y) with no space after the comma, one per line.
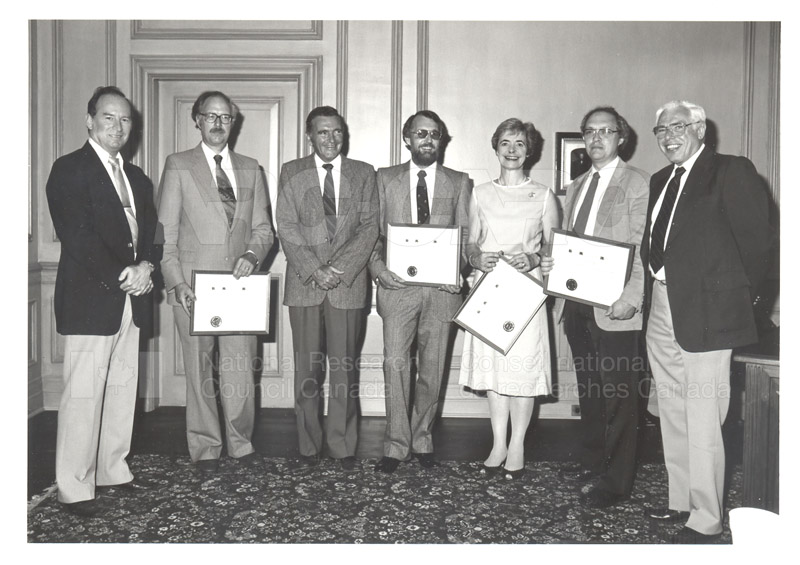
(423,254)
(501,305)
(228,306)
(588,269)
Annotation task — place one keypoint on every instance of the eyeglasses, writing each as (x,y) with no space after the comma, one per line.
(602,132)
(211,118)
(423,133)
(675,129)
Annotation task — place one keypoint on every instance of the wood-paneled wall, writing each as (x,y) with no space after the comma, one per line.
(474,74)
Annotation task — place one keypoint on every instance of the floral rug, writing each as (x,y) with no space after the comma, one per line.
(276,501)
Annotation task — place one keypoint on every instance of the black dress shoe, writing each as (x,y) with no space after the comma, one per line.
(688,535)
(602,498)
(426,460)
(387,465)
(207,466)
(512,475)
(84,508)
(348,463)
(133,486)
(668,515)
(248,460)
(310,460)
(489,470)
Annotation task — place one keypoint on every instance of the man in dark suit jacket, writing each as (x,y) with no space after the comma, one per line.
(421,313)
(706,248)
(213,208)
(327,219)
(605,341)
(103,213)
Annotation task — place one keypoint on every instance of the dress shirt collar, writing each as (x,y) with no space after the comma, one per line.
(337,162)
(105,155)
(608,168)
(209,153)
(688,163)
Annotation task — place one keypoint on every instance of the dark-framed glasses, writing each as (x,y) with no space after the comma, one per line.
(211,117)
(604,133)
(675,129)
(423,133)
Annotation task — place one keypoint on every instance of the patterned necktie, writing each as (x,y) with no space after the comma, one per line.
(423,210)
(659,232)
(329,201)
(225,190)
(122,192)
(583,213)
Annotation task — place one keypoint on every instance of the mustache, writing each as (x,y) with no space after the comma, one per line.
(217,130)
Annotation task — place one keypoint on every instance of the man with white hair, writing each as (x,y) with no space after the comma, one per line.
(706,249)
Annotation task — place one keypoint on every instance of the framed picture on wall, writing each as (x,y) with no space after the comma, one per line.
(571,159)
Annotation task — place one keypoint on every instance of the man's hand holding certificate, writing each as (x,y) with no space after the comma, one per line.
(586,269)
(227,305)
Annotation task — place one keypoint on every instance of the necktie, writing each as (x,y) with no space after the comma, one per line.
(659,232)
(329,201)
(225,190)
(423,209)
(122,191)
(583,214)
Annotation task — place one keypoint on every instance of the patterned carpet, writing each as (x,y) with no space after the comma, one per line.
(277,502)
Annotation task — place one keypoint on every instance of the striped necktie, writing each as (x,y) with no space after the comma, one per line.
(659,232)
(122,192)
(329,201)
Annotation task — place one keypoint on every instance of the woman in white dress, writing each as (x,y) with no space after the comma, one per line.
(510,216)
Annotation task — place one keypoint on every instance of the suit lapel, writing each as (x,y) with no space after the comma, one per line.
(572,198)
(245,183)
(442,197)
(610,197)
(205,183)
(345,193)
(698,179)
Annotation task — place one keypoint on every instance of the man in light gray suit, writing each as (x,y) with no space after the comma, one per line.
(608,201)
(327,219)
(213,208)
(421,191)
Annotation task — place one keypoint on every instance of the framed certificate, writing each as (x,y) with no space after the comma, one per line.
(227,306)
(588,269)
(423,254)
(500,306)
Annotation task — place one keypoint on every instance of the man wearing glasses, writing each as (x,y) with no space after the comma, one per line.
(421,191)
(608,201)
(705,250)
(213,208)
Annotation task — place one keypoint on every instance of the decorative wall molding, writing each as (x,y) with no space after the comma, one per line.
(774,136)
(58,95)
(33,332)
(748,88)
(150,70)
(342,57)
(422,65)
(396,111)
(226,31)
(111,52)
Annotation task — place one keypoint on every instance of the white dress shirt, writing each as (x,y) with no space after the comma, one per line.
(602,184)
(226,165)
(430,181)
(104,157)
(687,165)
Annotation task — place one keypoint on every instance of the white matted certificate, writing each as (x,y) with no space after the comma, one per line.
(588,269)
(501,305)
(423,254)
(226,305)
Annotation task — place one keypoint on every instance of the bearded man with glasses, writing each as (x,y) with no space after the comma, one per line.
(421,191)
(706,249)
(213,208)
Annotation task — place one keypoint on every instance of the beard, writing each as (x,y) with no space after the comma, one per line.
(424,158)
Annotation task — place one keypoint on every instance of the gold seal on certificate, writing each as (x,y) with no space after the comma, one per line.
(500,306)
(587,269)
(225,305)
(424,254)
